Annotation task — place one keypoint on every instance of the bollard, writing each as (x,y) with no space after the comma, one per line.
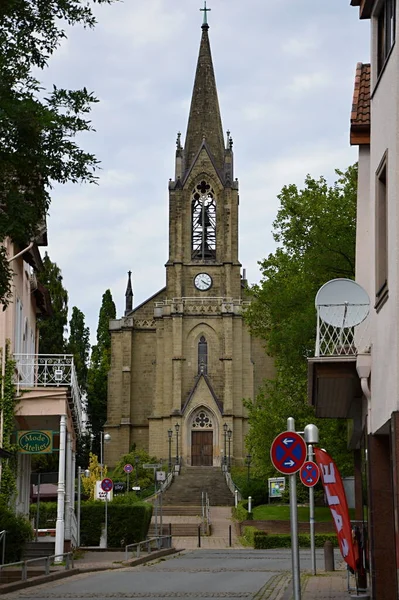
(170,535)
(328,556)
(199,536)
(236,498)
(230,536)
(250,504)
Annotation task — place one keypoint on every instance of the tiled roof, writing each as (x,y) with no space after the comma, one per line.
(360,115)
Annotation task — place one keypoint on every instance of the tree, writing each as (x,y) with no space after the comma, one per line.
(79,346)
(52,329)
(315,229)
(98,372)
(37,131)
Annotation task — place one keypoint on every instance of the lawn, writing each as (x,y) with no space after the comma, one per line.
(281,512)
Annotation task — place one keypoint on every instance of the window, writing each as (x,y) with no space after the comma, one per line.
(385,32)
(202,356)
(203,222)
(381,234)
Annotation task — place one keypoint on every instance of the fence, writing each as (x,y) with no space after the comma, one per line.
(47,563)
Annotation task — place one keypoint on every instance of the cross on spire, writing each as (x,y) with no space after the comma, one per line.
(205,10)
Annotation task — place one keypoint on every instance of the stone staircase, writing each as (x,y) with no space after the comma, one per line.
(37,549)
(187,488)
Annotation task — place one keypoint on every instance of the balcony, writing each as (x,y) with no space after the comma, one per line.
(38,371)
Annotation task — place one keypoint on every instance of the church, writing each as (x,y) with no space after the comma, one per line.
(183,361)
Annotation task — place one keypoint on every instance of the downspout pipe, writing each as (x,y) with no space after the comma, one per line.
(20,253)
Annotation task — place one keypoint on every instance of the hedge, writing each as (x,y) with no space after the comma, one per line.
(19,531)
(128,520)
(249,534)
(127,523)
(240,512)
(263,541)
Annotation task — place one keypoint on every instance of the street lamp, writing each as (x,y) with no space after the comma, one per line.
(225,427)
(177,427)
(170,433)
(249,459)
(104,437)
(86,474)
(229,434)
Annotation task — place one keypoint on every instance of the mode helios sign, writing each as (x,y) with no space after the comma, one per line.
(35,442)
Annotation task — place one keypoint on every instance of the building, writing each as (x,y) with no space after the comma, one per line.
(363,384)
(48,408)
(184,360)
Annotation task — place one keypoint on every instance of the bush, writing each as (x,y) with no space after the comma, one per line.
(264,541)
(47,514)
(248,535)
(240,512)
(19,531)
(256,488)
(127,522)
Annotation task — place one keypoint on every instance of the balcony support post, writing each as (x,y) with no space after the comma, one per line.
(68,487)
(60,524)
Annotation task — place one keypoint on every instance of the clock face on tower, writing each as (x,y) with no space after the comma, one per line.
(203,282)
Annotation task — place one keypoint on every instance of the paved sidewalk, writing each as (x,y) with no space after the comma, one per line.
(326,586)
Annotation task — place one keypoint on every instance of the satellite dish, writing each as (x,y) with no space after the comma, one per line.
(342,303)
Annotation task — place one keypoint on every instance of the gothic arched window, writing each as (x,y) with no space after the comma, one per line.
(203,222)
(202,356)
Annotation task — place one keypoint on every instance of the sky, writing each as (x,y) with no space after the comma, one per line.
(285,73)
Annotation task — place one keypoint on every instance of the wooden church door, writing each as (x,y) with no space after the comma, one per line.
(202,448)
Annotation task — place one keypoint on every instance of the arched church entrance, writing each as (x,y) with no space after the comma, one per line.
(202,439)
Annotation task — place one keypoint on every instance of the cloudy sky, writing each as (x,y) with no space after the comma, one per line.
(284,71)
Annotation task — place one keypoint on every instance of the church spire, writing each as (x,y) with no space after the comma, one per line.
(129,294)
(204,122)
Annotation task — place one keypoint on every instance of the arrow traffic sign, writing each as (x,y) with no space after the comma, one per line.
(309,473)
(107,485)
(288,452)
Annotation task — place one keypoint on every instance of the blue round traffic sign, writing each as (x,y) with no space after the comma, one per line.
(107,485)
(128,468)
(288,452)
(309,473)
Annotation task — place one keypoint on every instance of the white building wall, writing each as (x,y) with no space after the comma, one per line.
(384,137)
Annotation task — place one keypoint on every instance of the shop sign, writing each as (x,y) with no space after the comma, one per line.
(35,442)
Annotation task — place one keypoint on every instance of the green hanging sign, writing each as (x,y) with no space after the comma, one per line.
(35,442)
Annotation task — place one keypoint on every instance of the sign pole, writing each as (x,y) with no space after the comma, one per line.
(106,520)
(311,517)
(294,527)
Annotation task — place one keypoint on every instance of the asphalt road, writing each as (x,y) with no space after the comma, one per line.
(204,574)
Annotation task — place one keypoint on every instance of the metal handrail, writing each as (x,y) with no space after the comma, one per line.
(3,540)
(24,563)
(147,542)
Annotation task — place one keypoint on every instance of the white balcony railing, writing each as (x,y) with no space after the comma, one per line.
(51,370)
(341,340)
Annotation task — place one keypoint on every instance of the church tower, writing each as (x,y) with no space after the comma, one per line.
(182,362)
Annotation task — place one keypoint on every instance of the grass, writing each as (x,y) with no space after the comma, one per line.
(281,512)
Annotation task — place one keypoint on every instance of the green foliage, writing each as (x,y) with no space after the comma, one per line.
(249,535)
(100,363)
(8,402)
(47,514)
(79,345)
(255,487)
(264,541)
(95,474)
(52,329)
(37,130)
(19,531)
(145,477)
(315,230)
(240,512)
(127,523)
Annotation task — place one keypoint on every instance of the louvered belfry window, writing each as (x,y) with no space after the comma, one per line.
(203,222)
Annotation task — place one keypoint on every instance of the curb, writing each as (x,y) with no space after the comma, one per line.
(55,575)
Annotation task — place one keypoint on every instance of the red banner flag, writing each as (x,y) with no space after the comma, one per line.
(336,499)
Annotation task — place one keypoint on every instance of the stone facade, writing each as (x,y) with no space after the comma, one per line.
(185,356)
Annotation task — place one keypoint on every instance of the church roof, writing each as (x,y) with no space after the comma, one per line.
(204,120)
(360,115)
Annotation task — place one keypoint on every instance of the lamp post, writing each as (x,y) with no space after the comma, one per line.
(229,434)
(104,437)
(136,468)
(170,433)
(249,459)
(177,427)
(86,474)
(225,444)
